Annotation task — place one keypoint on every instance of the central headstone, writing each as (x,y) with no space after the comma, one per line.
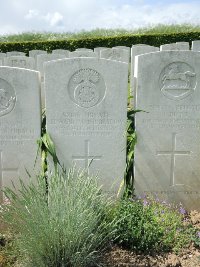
(167,152)
(86,106)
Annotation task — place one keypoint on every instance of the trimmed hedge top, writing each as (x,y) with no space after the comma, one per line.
(123,40)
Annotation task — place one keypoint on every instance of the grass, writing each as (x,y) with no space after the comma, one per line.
(66,227)
(44,36)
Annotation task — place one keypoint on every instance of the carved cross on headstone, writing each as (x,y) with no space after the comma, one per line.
(2,170)
(173,154)
(87,157)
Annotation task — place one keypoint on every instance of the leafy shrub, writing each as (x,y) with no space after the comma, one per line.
(155,39)
(150,225)
(196,237)
(67,227)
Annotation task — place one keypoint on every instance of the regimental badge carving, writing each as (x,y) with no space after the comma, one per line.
(177,80)
(87,88)
(7,98)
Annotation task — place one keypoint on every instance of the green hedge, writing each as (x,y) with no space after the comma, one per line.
(126,40)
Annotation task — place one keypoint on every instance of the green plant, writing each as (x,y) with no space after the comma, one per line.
(196,237)
(154,39)
(150,225)
(66,227)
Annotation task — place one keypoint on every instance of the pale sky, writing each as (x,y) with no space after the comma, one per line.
(74,15)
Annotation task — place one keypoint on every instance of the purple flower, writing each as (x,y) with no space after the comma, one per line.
(145,202)
(198,234)
(182,210)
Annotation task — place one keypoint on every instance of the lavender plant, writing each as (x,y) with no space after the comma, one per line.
(149,224)
(66,227)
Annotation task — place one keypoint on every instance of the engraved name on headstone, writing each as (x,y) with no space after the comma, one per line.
(19,129)
(167,153)
(86,115)
(20,61)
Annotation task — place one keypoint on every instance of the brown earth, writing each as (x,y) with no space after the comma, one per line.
(190,257)
(120,257)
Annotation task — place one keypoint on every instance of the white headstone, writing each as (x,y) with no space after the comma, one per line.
(2,55)
(86,108)
(41,59)
(20,61)
(167,153)
(118,54)
(175,46)
(196,45)
(35,53)
(135,51)
(83,54)
(98,49)
(19,129)
(84,49)
(123,47)
(15,53)
(61,52)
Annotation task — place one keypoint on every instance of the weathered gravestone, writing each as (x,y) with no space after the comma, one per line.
(19,129)
(118,54)
(15,53)
(175,46)
(135,51)
(98,49)
(86,106)
(123,47)
(83,53)
(196,45)
(2,57)
(167,153)
(20,61)
(41,59)
(61,52)
(35,53)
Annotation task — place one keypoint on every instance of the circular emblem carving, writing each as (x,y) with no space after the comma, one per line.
(86,88)
(7,97)
(177,80)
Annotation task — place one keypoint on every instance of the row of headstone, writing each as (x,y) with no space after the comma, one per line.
(120,53)
(86,105)
(86,100)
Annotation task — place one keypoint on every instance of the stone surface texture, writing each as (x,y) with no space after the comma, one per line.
(20,62)
(19,128)
(175,46)
(117,54)
(167,152)
(86,105)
